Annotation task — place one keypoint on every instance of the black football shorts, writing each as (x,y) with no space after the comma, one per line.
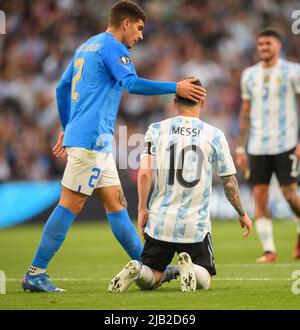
(284,165)
(159,254)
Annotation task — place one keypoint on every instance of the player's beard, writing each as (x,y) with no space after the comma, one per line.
(267,58)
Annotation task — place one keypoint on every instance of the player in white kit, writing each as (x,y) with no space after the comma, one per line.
(184,151)
(269,91)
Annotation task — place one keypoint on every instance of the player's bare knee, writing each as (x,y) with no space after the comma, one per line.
(72,201)
(117,203)
(121,198)
(113,198)
(74,208)
(260,193)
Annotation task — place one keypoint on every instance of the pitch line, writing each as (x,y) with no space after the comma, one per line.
(261,265)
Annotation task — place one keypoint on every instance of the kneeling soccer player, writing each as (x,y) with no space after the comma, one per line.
(184,150)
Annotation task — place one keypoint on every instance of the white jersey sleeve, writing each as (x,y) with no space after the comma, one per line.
(149,148)
(222,159)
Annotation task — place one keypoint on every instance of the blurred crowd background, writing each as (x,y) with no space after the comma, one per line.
(213,40)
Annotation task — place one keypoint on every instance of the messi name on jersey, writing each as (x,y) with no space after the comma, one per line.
(185,131)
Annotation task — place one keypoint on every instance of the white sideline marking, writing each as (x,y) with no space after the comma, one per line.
(251,279)
(260,265)
(214,279)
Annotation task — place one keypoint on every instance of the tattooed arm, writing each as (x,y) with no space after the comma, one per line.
(232,192)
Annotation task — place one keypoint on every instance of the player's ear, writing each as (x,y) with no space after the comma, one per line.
(175,103)
(280,45)
(125,24)
(202,104)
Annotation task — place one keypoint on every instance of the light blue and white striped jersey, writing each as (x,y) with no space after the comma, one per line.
(185,150)
(274,115)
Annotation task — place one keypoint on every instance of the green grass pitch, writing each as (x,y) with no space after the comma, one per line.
(90,257)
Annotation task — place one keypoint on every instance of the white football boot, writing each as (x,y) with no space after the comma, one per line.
(127,275)
(187,274)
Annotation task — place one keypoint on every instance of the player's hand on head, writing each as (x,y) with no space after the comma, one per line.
(246,223)
(58,149)
(188,90)
(142,220)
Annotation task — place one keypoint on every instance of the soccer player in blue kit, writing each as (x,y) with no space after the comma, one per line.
(88,97)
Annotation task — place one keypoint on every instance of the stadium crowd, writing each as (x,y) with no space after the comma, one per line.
(213,40)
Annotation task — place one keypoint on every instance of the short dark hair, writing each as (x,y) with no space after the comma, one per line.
(269,32)
(126,9)
(183,101)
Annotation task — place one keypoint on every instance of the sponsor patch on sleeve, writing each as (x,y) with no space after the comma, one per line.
(125,60)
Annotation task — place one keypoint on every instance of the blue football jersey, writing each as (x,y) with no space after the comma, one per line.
(94,77)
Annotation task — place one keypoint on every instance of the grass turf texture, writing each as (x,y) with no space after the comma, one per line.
(90,257)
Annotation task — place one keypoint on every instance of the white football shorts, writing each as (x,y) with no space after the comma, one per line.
(87,170)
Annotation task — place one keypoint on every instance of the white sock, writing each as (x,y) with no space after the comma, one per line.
(264,228)
(202,277)
(36,270)
(297,222)
(146,278)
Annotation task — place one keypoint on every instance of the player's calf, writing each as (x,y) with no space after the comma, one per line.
(203,277)
(149,279)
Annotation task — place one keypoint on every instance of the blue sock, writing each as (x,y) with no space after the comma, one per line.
(125,233)
(53,236)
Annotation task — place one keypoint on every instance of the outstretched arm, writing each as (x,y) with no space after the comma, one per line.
(119,64)
(232,192)
(185,88)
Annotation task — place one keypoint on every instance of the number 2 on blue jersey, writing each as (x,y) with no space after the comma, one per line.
(76,78)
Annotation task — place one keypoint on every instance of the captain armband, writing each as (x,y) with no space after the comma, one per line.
(149,149)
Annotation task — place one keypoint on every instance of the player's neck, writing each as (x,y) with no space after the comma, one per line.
(195,114)
(116,33)
(272,62)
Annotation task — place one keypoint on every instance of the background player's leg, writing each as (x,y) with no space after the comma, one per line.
(290,194)
(115,205)
(57,226)
(264,226)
